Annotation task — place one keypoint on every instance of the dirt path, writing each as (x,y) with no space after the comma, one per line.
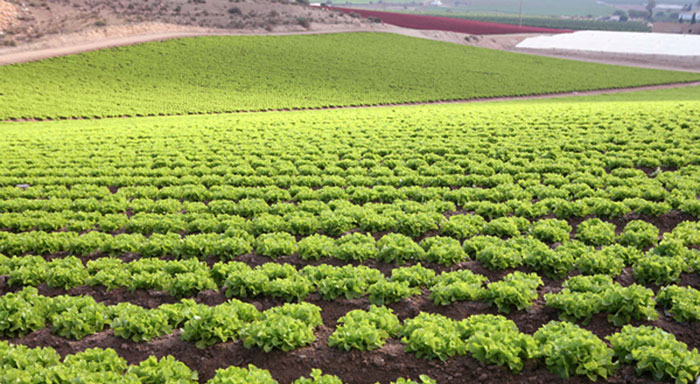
(457,101)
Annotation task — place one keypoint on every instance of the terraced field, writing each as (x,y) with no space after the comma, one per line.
(505,242)
(224,74)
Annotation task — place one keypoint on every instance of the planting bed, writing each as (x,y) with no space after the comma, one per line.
(493,243)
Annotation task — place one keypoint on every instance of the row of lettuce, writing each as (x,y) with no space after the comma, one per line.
(580,298)
(331,217)
(235,236)
(20,364)
(594,249)
(162,235)
(564,348)
(308,216)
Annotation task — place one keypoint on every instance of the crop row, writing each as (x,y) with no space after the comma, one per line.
(547,247)
(309,217)
(283,281)
(565,348)
(257,177)
(20,364)
(582,297)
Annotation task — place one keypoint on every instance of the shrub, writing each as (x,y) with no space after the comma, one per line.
(457,286)
(600,262)
(683,303)
(238,375)
(659,270)
(385,292)
(432,336)
(22,312)
(551,230)
(462,226)
(415,276)
(656,352)
(443,250)
(164,371)
(74,317)
(316,375)
(285,328)
(517,290)
(596,232)
(275,244)
(506,226)
(493,339)
(639,234)
(568,350)
(397,248)
(218,324)
(365,330)
(317,246)
(356,247)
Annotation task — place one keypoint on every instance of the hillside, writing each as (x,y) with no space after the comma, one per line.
(22,22)
(223,74)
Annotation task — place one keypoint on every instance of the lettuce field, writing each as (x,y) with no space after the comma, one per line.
(225,74)
(504,242)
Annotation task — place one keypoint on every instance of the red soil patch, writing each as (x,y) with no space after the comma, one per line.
(438,23)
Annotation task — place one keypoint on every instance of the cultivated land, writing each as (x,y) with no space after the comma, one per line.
(222,74)
(519,215)
(541,7)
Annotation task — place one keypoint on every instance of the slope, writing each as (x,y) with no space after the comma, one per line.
(224,74)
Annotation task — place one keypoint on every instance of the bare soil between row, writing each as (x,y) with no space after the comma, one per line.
(382,365)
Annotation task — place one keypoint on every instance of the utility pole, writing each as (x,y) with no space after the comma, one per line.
(521,13)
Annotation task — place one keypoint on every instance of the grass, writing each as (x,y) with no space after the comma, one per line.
(223,74)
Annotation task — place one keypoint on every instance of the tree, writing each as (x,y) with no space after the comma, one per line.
(622,14)
(651,4)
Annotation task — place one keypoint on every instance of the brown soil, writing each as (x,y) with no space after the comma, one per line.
(381,365)
(8,15)
(23,22)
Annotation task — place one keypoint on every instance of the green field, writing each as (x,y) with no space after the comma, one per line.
(498,242)
(471,210)
(220,74)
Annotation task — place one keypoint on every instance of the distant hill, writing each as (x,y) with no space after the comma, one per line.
(25,21)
